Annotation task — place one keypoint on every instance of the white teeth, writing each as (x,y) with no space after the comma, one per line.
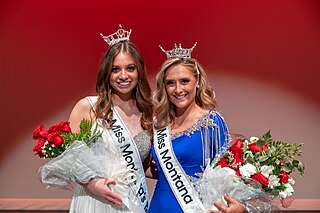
(124,83)
(180,96)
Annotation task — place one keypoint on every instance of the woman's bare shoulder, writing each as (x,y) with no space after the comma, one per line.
(81,110)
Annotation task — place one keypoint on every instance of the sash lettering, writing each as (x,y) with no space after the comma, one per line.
(130,153)
(127,154)
(127,147)
(177,178)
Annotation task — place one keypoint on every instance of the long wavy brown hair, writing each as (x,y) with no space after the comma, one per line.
(141,93)
(164,110)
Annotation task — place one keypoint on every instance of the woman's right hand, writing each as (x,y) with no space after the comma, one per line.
(101,189)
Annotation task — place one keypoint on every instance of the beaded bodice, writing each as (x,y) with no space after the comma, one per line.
(142,140)
(204,121)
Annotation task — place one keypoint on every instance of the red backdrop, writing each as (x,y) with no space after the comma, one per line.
(50,49)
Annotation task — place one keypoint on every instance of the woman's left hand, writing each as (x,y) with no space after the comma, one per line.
(233,206)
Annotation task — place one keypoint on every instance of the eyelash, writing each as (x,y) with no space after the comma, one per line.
(169,83)
(114,69)
(131,68)
(183,82)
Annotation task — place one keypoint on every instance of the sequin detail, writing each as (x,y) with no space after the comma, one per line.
(204,121)
(142,140)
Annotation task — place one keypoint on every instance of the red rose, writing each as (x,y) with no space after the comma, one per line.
(40,132)
(65,126)
(54,130)
(237,144)
(238,173)
(223,162)
(236,149)
(55,139)
(253,147)
(238,160)
(62,126)
(259,177)
(283,177)
(37,149)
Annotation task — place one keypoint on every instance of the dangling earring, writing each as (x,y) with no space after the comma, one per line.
(198,73)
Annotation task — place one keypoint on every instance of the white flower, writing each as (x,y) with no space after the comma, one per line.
(229,170)
(287,192)
(291,181)
(253,139)
(266,170)
(273,181)
(247,170)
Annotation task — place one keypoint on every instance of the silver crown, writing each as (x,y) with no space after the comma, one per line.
(120,35)
(178,52)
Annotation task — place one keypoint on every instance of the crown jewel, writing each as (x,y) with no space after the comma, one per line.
(120,35)
(178,51)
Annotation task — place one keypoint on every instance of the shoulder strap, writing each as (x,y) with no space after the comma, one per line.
(92,100)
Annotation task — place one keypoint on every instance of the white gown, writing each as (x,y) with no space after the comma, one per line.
(85,202)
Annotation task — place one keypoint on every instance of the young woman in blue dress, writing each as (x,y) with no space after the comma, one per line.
(188,133)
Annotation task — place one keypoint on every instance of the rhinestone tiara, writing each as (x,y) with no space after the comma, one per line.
(120,35)
(178,51)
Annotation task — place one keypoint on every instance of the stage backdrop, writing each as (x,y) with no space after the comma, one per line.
(262,58)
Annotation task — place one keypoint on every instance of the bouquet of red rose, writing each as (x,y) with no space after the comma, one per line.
(78,157)
(83,157)
(68,152)
(265,161)
(253,171)
(54,141)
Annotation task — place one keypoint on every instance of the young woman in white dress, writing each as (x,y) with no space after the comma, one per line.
(123,98)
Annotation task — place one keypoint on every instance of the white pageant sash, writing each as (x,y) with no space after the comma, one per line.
(125,143)
(175,175)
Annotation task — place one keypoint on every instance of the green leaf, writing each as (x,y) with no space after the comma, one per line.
(260,143)
(250,159)
(282,187)
(295,163)
(263,158)
(245,147)
(288,167)
(301,167)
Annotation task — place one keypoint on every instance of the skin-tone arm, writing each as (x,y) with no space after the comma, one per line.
(82,110)
(233,206)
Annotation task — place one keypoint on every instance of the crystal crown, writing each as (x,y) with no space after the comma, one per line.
(120,35)
(178,51)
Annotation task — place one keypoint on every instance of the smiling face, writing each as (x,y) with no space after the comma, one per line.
(181,86)
(124,75)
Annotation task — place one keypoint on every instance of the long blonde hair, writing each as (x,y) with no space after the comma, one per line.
(141,93)
(163,108)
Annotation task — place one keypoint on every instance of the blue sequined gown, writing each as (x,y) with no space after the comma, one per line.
(189,148)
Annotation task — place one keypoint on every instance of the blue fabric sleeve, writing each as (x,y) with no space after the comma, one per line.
(221,136)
